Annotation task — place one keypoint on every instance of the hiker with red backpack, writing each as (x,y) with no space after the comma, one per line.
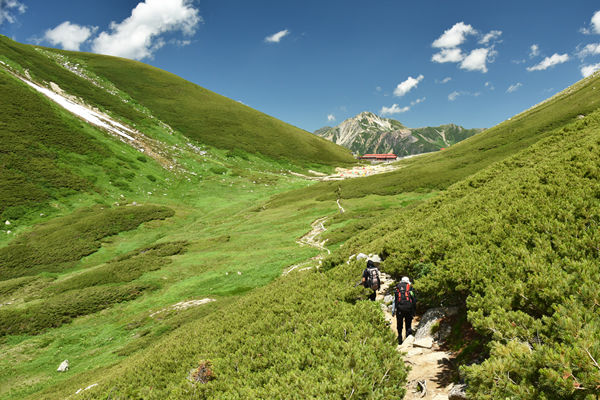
(370,276)
(405,305)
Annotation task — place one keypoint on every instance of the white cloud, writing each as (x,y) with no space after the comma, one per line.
(454,36)
(137,36)
(452,96)
(587,70)
(330,117)
(596,22)
(69,36)
(550,62)
(476,60)
(489,85)
(594,25)
(276,37)
(417,101)
(445,80)
(534,51)
(489,37)
(378,89)
(8,8)
(448,55)
(514,87)
(407,85)
(589,50)
(394,109)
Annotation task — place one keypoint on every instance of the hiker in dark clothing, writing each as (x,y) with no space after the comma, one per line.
(370,276)
(405,305)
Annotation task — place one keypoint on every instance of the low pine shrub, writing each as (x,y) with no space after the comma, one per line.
(59,310)
(62,241)
(295,338)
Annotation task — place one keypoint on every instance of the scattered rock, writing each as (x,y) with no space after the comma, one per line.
(64,366)
(415,351)
(424,342)
(7,222)
(581,116)
(388,299)
(239,272)
(8,232)
(184,305)
(407,343)
(458,392)
(362,256)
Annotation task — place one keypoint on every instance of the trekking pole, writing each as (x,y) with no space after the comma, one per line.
(358,283)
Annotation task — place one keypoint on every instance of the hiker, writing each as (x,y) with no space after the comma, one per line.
(405,305)
(370,276)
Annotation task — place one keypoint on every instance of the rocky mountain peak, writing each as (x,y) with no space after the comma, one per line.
(370,133)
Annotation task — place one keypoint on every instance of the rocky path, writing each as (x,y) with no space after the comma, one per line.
(348,173)
(429,376)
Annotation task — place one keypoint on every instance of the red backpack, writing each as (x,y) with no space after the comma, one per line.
(404,299)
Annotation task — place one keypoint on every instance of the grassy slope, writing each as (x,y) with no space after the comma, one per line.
(517,245)
(50,155)
(209,118)
(437,171)
(217,213)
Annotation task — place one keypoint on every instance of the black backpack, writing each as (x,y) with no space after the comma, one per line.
(404,299)
(373,281)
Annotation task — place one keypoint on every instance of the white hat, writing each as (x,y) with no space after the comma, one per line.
(405,279)
(375,258)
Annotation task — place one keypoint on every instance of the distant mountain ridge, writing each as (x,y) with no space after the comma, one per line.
(369,133)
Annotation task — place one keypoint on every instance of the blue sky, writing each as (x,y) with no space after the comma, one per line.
(316,63)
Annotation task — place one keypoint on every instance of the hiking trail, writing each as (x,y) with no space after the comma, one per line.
(429,367)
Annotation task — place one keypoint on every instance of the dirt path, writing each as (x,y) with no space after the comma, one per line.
(347,173)
(428,365)
(311,239)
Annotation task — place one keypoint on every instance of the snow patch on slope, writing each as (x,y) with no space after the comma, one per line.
(93,117)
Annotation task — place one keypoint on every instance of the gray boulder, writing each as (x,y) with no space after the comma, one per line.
(429,319)
(458,392)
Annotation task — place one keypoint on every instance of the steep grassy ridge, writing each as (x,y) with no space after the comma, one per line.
(49,154)
(437,171)
(517,244)
(210,118)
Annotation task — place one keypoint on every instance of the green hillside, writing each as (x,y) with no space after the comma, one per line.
(97,236)
(516,245)
(50,154)
(193,111)
(437,171)
(163,273)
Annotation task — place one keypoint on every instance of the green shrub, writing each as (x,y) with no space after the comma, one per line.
(237,153)
(62,241)
(61,309)
(517,246)
(123,269)
(218,170)
(296,338)
(151,178)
